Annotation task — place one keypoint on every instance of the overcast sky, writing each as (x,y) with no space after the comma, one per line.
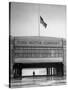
(25,20)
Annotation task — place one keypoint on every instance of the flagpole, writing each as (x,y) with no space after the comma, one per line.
(39,20)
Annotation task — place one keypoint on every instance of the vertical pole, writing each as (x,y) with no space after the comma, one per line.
(38,19)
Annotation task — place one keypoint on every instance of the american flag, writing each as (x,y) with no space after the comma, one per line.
(42,22)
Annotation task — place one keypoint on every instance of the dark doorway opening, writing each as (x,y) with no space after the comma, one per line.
(53,69)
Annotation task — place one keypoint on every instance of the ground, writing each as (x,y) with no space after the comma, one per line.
(38,81)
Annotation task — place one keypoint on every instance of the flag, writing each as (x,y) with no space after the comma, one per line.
(42,22)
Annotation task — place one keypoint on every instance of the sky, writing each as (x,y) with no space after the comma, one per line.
(25,20)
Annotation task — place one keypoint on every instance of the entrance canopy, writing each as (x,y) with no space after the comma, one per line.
(38,60)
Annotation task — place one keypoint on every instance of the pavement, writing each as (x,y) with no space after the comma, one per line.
(38,81)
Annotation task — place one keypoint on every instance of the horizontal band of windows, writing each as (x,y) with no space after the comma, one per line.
(37,47)
(37,55)
(38,52)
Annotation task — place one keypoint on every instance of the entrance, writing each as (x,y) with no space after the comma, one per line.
(34,71)
(37,69)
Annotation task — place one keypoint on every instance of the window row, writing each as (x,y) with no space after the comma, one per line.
(30,55)
(39,51)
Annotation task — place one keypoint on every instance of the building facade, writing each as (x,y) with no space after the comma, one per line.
(38,56)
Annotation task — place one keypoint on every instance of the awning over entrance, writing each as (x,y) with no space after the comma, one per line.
(38,60)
